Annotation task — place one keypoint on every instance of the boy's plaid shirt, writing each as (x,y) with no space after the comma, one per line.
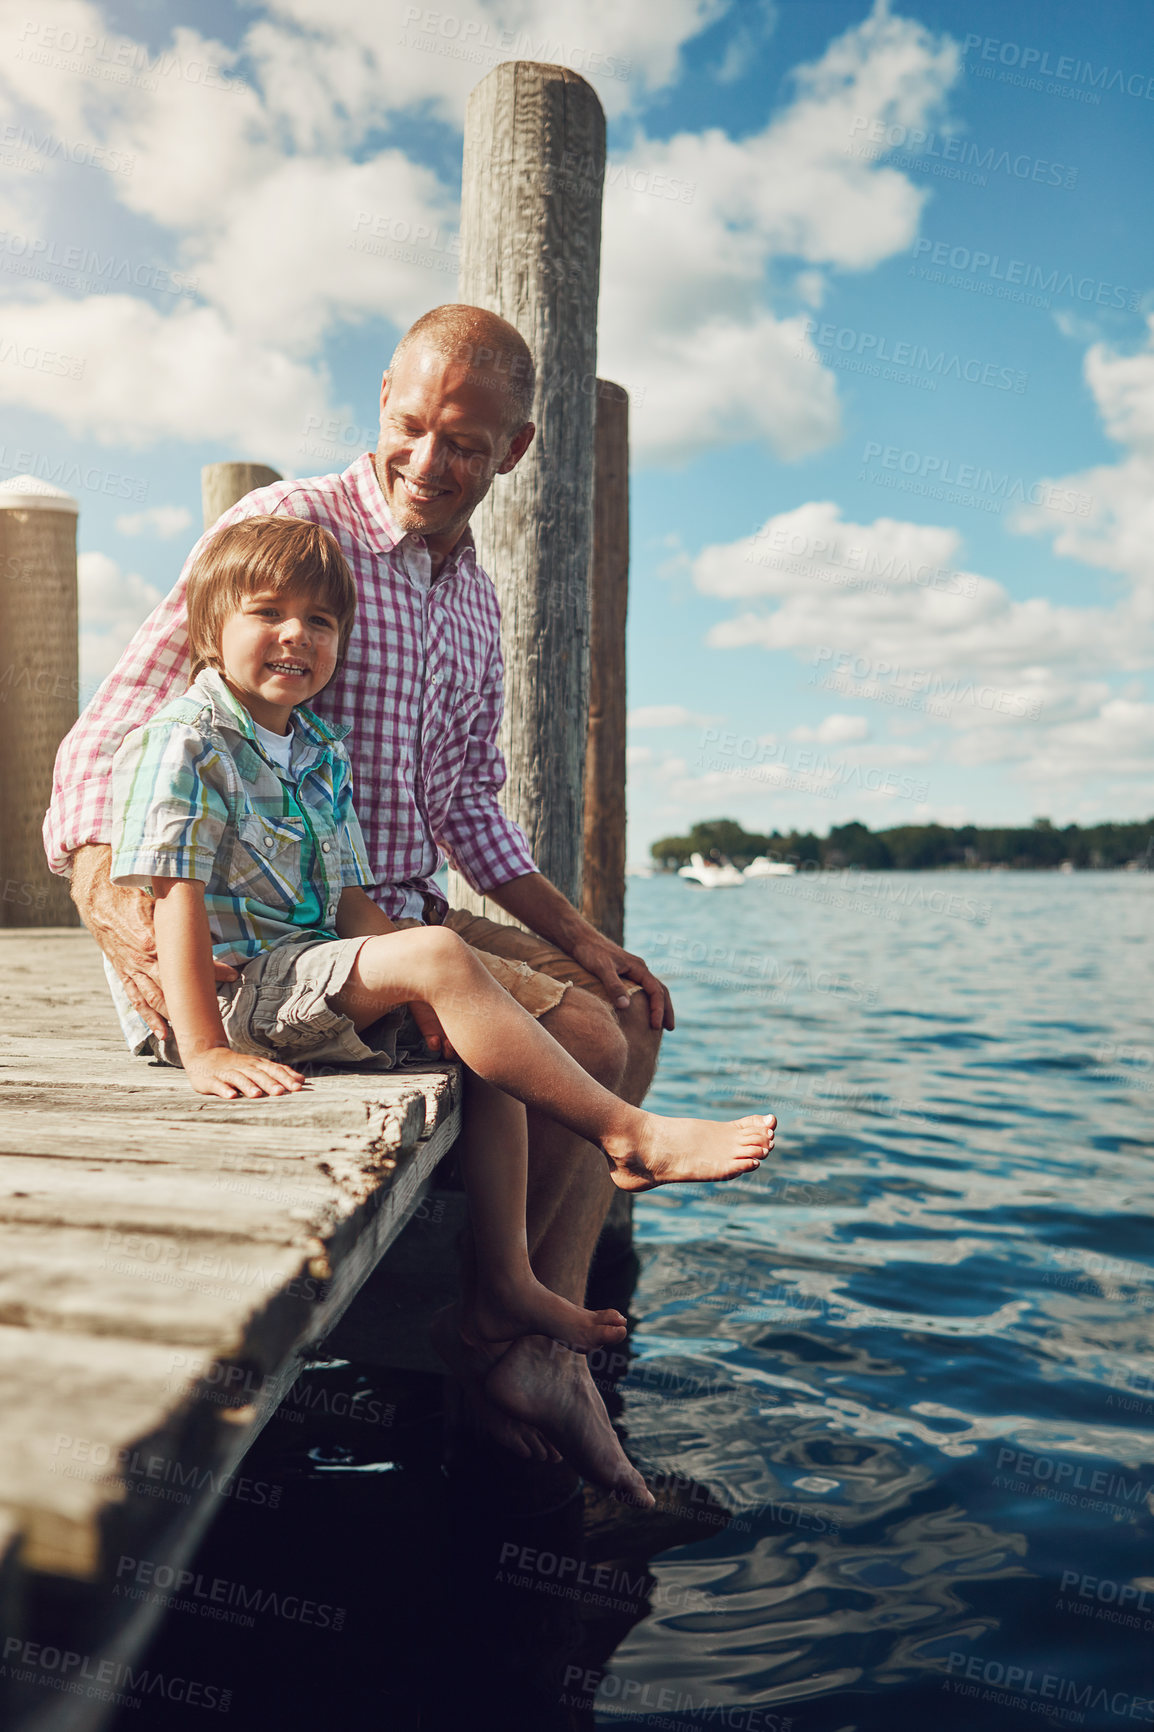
(194,795)
(420,687)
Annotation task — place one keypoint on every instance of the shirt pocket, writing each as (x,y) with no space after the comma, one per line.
(268,860)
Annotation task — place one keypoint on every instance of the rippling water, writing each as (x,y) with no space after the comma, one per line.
(910,1358)
(916,1355)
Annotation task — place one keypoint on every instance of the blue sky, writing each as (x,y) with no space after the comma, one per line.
(889,349)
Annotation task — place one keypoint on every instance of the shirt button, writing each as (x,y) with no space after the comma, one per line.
(269,842)
(326,847)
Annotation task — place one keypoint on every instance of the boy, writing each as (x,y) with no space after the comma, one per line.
(233,806)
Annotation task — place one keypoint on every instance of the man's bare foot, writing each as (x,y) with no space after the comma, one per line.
(526,1307)
(658,1151)
(550,1388)
(470,1366)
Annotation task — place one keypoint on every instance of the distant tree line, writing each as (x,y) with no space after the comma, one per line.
(920,847)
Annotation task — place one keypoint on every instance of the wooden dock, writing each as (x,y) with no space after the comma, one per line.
(168,1262)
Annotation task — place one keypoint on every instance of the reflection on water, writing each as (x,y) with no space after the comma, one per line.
(895,1395)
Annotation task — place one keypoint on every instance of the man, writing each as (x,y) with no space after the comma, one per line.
(421,686)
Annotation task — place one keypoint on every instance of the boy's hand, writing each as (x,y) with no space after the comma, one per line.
(432,1033)
(220,1071)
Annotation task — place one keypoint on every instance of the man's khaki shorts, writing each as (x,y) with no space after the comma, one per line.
(533,972)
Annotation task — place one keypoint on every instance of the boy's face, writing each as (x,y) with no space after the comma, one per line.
(277,651)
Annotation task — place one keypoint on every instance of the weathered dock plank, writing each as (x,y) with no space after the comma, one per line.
(152,1243)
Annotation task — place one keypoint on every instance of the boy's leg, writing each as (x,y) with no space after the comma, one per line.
(501,1042)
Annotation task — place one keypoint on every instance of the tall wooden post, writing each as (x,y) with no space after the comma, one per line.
(603,890)
(222,484)
(615,1265)
(39,689)
(531,250)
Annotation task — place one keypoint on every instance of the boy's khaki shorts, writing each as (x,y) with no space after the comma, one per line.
(281,1005)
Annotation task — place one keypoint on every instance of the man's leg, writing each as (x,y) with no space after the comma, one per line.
(569,1191)
(569,1185)
(569,1194)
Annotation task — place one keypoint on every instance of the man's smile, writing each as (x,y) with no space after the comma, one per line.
(422,490)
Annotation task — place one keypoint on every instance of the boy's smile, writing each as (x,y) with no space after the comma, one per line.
(278,650)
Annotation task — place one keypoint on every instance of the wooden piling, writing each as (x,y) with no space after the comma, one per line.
(39,688)
(603,890)
(530,250)
(222,484)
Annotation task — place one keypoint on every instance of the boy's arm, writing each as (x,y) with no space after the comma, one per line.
(188,980)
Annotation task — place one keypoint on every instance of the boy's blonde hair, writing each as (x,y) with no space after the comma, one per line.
(276,554)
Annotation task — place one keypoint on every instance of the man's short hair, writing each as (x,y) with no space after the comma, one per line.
(494,351)
(277,554)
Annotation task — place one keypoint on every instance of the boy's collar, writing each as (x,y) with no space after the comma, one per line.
(228,710)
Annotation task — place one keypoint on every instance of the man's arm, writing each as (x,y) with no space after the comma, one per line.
(121,921)
(541,906)
(492,854)
(184,951)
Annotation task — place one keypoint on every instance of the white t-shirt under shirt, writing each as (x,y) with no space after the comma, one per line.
(278,746)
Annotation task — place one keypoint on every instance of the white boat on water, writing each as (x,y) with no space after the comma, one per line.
(711,876)
(763,867)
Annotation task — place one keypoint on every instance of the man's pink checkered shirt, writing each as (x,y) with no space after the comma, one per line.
(421,687)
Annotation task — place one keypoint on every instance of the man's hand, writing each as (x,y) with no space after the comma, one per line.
(541,907)
(120,920)
(612,965)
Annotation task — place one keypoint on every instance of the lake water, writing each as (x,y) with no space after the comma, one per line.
(932,1320)
(911,1357)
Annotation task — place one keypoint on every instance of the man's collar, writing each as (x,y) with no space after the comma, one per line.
(230,713)
(384,532)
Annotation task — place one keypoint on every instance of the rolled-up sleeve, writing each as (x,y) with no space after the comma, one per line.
(169,807)
(484,845)
(152,669)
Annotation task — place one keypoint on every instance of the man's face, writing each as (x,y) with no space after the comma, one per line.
(444,436)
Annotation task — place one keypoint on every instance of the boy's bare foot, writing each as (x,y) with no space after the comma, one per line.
(470,1366)
(551,1389)
(659,1151)
(528,1308)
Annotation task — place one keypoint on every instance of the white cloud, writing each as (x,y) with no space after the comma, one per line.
(886,613)
(112,605)
(365,239)
(136,375)
(163,521)
(667,716)
(724,211)
(358,59)
(293,227)
(1116,533)
(833,730)
(897,594)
